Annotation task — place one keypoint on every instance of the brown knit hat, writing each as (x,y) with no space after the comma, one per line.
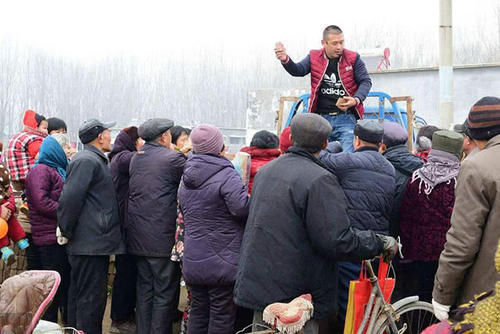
(483,121)
(132,133)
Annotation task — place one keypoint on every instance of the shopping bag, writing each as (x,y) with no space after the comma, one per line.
(359,294)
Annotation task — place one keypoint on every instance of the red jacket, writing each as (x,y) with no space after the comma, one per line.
(15,231)
(260,157)
(319,64)
(23,148)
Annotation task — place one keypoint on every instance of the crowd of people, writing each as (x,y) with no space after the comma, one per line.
(168,203)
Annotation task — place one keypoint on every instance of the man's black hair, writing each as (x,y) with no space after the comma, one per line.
(332,29)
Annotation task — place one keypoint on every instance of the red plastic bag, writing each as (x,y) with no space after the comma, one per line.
(359,294)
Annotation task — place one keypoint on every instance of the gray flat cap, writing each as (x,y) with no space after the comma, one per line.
(369,130)
(394,134)
(91,128)
(310,131)
(462,129)
(153,128)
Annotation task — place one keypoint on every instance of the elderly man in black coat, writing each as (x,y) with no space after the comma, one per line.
(88,216)
(155,174)
(298,228)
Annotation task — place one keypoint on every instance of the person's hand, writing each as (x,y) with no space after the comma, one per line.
(390,247)
(280,51)
(347,102)
(440,311)
(5,212)
(61,240)
(188,147)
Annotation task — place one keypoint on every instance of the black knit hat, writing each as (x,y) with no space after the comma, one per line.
(483,121)
(265,139)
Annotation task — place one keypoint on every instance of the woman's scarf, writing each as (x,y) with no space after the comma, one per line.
(52,155)
(441,167)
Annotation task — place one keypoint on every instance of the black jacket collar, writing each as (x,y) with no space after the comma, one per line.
(304,152)
(366,148)
(95,150)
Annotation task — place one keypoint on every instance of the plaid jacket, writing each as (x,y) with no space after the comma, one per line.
(18,159)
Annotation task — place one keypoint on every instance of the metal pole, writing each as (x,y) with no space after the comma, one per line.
(409,119)
(280,116)
(445,64)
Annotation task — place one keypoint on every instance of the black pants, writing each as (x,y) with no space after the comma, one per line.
(212,310)
(158,288)
(406,280)
(88,291)
(53,257)
(124,288)
(425,271)
(32,255)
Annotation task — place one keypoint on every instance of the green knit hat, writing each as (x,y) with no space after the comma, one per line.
(448,141)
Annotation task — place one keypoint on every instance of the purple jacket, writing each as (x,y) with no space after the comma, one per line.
(43,189)
(215,204)
(123,151)
(425,220)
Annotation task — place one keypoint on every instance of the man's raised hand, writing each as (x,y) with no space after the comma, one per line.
(280,51)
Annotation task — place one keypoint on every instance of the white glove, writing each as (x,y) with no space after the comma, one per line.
(440,311)
(60,239)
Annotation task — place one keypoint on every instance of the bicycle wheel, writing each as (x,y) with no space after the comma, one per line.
(413,318)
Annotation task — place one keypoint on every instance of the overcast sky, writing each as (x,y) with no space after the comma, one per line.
(90,30)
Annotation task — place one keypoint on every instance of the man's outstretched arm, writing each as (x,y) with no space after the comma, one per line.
(296,69)
(300,69)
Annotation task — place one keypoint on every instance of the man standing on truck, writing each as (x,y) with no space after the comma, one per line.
(339,83)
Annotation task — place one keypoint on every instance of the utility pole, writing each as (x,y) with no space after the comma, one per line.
(445,64)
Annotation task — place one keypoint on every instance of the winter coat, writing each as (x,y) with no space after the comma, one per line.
(296,231)
(15,231)
(466,265)
(404,164)
(425,219)
(44,185)
(155,174)
(351,69)
(367,179)
(214,203)
(121,155)
(43,189)
(88,207)
(23,148)
(260,157)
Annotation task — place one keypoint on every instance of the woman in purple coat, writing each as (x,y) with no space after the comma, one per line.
(426,209)
(44,184)
(214,203)
(123,299)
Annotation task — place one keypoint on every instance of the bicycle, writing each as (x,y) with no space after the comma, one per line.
(406,316)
